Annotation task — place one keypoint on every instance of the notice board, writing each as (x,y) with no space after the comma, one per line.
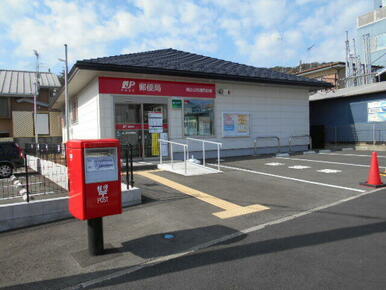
(376,111)
(235,124)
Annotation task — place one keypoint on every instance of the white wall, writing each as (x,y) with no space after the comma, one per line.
(274,111)
(106,111)
(87,126)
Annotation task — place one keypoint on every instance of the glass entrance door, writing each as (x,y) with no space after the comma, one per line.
(128,128)
(142,126)
(152,130)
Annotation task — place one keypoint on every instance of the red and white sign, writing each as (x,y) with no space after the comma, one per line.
(124,86)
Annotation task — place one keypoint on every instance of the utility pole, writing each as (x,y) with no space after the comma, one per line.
(66,92)
(36,94)
(66,105)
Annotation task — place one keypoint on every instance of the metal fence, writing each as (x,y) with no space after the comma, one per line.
(41,175)
(45,173)
(361,132)
(127,165)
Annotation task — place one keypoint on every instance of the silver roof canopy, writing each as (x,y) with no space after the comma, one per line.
(21,83)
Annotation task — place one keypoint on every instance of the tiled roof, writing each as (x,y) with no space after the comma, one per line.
(175,62)
(21,83)
(324,66)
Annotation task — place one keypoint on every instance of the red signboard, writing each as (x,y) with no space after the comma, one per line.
(135,126)
(128,86)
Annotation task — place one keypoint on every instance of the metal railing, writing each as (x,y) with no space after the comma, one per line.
(299,137)
(203,149)
(128,167)
(267,137)
(39,174)
(370,133)
(171,143)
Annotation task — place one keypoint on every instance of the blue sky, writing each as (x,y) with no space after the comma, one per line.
(262,33)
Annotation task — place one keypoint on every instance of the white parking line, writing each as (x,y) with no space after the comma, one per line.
(357,155)
(291,178)
(329,162)
(299,167)
(329,170)
(274,164)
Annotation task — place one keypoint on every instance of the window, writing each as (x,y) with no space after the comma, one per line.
(42,124)
(4,108)
(379,42)
(198,117)
(74,110)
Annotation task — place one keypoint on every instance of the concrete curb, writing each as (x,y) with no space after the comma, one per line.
(347,149)
(22,214)
(309,152)
(325,151)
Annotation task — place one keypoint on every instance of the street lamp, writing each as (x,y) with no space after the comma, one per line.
(36,93)
(66,110)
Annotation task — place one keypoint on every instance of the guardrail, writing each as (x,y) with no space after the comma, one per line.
(298,137)
(267,137)
(171,143)
(203,149)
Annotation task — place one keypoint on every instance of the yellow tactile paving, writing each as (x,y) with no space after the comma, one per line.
(229,209)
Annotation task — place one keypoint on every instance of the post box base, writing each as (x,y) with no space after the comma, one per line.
(95,236)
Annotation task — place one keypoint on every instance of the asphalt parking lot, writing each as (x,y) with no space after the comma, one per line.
(200,211)
(285,185)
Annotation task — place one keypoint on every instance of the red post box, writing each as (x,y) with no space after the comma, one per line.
(94,178)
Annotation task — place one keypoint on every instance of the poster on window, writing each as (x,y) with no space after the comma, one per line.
(235,124)
(164,146)
(155,122)
(376,111)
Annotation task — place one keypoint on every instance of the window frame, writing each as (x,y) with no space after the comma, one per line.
(213,135)
(8,101)
(48,123)
(74,110)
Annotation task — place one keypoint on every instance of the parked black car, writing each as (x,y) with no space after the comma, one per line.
(11,157)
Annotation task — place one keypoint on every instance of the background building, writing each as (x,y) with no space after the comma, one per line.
(374,25)
(354,115)
(17,89)
(333,73)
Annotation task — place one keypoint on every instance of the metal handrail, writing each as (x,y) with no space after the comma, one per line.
(219,144)
(267,137)
(185,146)
(297,137)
